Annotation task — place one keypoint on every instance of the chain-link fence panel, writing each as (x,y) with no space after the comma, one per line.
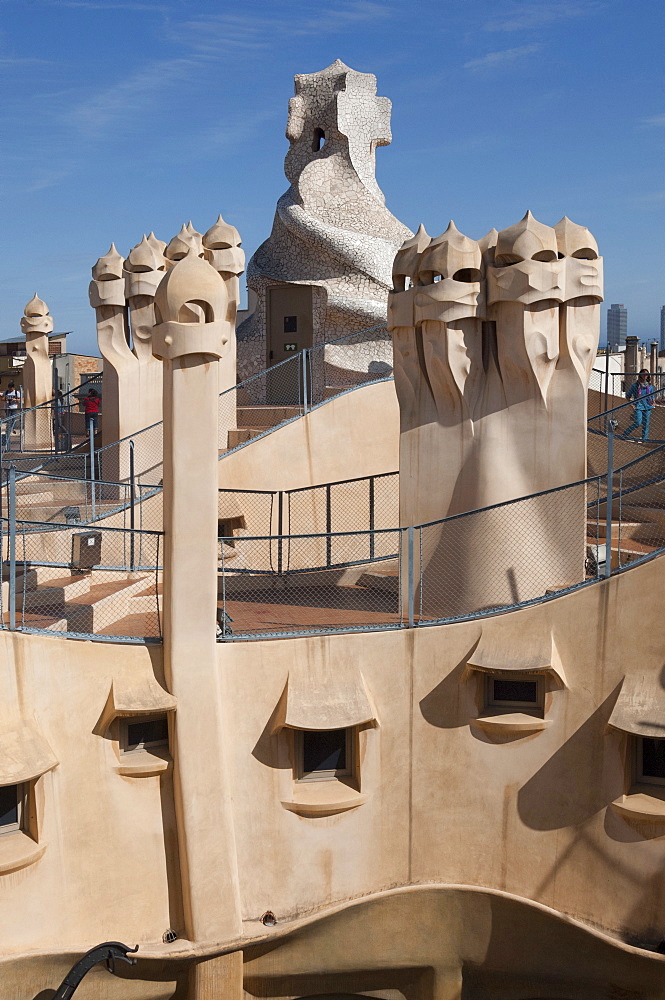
(348,362)
(140,454)
(61,500)
(363,504)
(261,403)
(502,556)
(102,582)
(618,383)
(638,512)
(259,596)
(57,425)
(244,514)
(641,419)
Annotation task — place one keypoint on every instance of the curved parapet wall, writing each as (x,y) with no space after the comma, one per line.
(450,941)
(332,230)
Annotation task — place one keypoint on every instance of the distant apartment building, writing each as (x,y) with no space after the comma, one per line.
(617,325)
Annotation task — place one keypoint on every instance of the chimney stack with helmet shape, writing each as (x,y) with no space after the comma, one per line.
(223,251)
(107,297)
(37,324)
(494,345)
(144,269)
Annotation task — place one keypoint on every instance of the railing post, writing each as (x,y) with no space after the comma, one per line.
(607,376)
(12,547)
(328,526)
(92,467)
(280,525)
(132,502)
(371,517)
(611,427)
(305,394)
(409,557)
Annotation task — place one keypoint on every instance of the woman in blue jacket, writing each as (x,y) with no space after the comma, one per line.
(641,391)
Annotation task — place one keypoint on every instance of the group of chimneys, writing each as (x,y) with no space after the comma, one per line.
(528,239)
(152,254)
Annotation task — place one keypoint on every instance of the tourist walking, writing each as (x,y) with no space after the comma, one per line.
(12,400)
(642,392)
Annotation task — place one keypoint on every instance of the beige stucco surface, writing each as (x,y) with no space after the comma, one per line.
(353,435)
(437,800)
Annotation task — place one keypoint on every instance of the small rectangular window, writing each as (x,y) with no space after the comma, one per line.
(514,692)
(11,808)
(142,734)
(651,760)
(323,754)
(290,324)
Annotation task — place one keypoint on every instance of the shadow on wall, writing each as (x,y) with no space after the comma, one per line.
(398,984)
(447,705)
(571,786)
(269,750)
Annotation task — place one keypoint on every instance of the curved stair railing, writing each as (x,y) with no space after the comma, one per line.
(263,401)
(64,423)
(258,405)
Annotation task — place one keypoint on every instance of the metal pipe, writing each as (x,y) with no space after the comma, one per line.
(409,556)
(305,392)
(328,526)
(611,428)
(12,547)
(371,517)
(132,502)
(607,377)
(92,466)
(280,526)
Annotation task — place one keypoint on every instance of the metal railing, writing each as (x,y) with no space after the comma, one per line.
(618,383)
(364,503)
(54,427)
(103,581)
(628,424)
(261,403)
(98,582)
(487,561)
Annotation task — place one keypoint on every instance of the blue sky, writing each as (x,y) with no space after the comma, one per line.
(118,117)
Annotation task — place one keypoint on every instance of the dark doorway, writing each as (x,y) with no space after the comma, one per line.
(289,328)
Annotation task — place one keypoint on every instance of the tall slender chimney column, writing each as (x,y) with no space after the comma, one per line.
(36,324)
(653,358)
(631,355)
(193,331)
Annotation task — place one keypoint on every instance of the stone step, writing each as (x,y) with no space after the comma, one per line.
(42,621)
(103,604)
(55,592)
(242,435)
(265,416)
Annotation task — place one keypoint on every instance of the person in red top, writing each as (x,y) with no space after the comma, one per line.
(91,410)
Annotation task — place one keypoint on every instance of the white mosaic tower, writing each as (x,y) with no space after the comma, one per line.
(325,270)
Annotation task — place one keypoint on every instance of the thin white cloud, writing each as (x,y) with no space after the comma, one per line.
(136,94)
(153,8)
(9,62)
(527,17)
(653,196)
(658,120)
(213,34)
(493,59)
(49,178)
